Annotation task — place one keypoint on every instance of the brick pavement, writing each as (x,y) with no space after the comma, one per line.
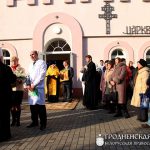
(73,130)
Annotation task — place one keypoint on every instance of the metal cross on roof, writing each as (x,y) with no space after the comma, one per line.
(108,15)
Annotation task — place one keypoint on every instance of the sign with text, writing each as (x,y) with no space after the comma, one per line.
(137,30)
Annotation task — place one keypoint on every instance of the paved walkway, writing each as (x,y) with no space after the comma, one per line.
(75,130)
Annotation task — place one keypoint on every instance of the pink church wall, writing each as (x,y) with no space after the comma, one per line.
(122,44)
(76,32)
(143,49)
(9,47)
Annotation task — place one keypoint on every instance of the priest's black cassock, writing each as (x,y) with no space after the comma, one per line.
(90,99)
(6,79)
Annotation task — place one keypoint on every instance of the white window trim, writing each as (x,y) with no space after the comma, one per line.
(6,58)
(146,50)
(118,47)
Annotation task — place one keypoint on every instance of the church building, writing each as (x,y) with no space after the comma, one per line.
(71,29)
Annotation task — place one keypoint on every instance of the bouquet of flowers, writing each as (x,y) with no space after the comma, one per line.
(20,73)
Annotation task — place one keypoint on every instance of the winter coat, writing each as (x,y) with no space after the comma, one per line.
(140,85)
(119,77)
(20,73)
(107,79)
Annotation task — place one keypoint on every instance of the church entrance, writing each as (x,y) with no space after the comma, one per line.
(57,50)
(58,58)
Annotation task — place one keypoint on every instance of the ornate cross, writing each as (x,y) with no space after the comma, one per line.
(108,15)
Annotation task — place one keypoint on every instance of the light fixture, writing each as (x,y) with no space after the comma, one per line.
(57,30)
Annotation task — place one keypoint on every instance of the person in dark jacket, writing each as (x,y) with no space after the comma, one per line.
(66,76)
(6,79)
(89,99)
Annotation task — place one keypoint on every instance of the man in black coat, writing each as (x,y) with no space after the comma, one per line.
(90,98)
(6,79)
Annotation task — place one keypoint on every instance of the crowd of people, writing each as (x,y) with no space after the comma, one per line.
(120,84)
(110,85)
(59,82)
(40,80)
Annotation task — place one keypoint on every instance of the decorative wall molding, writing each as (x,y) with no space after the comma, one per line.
(85,1)
(146,0)
(31,2)
(47,2)
(108,0)
(10,3)
(125,0)
(68,1)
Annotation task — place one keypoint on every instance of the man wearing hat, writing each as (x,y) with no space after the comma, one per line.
(140,88)
(52,82)
(6,79)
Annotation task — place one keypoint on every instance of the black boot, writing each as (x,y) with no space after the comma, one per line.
(13,113)
(125,111)
(18,118)
(112,108)
(118,113)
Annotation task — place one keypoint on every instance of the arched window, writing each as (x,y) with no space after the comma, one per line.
(58,46)
(148,57)
(117,53)
(6,56)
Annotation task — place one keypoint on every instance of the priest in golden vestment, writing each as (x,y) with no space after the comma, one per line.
(52,82)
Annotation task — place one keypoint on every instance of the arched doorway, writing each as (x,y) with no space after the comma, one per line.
(58,50)
(76,39)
